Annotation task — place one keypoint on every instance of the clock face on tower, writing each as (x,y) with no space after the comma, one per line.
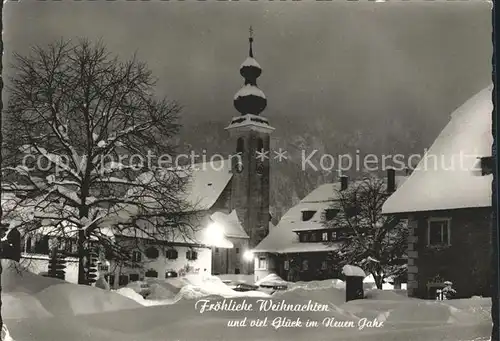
(260,168)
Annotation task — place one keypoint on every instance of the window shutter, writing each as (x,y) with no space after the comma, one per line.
(172,254)
(191,255)
(151,273)
(152,253)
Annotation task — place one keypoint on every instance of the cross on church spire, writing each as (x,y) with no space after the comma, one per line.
(250,39)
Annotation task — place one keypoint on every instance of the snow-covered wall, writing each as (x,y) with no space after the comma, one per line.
(162,264)
(39,264)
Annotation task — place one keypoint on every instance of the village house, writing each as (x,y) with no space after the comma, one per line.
(231,197)
(300,247)
(447,201)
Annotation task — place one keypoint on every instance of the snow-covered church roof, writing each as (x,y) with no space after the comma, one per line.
(449,175)
(208,181)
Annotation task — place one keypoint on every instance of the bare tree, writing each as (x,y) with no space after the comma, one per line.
(374,241)
(1,144)
(89,149)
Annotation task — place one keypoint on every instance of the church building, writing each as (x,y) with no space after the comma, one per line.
(231,197)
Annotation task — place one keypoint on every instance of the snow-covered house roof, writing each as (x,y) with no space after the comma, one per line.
(449,175)
(284,239)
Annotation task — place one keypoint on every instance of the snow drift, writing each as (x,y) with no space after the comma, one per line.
(189,287)
(404,318)
(28,295)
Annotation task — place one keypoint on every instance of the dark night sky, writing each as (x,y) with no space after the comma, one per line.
(318,58)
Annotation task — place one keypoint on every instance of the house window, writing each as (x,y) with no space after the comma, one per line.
(237,250)
(136,256)
(486,165)
(262,263)
(334,235)
(438,231)
(69,246)
(286,265)
(122,280)
(151,273)
(324,236)
(152,253)
(74,247)
(191,255)
(351,211)
(323,265)
(172,254)
(27,245)
(331,213)
(170,274)
(307,215)
(314,237)
(305,265)
(133,277)
(237,271)
(41,245)
(303,236)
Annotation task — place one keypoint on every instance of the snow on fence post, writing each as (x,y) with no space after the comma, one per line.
(354,282)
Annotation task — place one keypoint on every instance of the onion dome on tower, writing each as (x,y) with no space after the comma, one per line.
(250,99)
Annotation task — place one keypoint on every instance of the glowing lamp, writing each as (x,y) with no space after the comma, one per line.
(248,256)
(214,234)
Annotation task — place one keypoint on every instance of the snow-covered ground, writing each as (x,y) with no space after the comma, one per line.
(190,287)
(38,309)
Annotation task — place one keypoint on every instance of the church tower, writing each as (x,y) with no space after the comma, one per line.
(250,133)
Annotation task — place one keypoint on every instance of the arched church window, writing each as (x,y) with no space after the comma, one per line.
(240,145)
(260,144)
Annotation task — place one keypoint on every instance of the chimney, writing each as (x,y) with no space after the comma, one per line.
(343,182)
(391,180)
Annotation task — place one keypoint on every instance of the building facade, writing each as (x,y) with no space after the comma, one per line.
(301,247)
(231,197)
(447,201)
